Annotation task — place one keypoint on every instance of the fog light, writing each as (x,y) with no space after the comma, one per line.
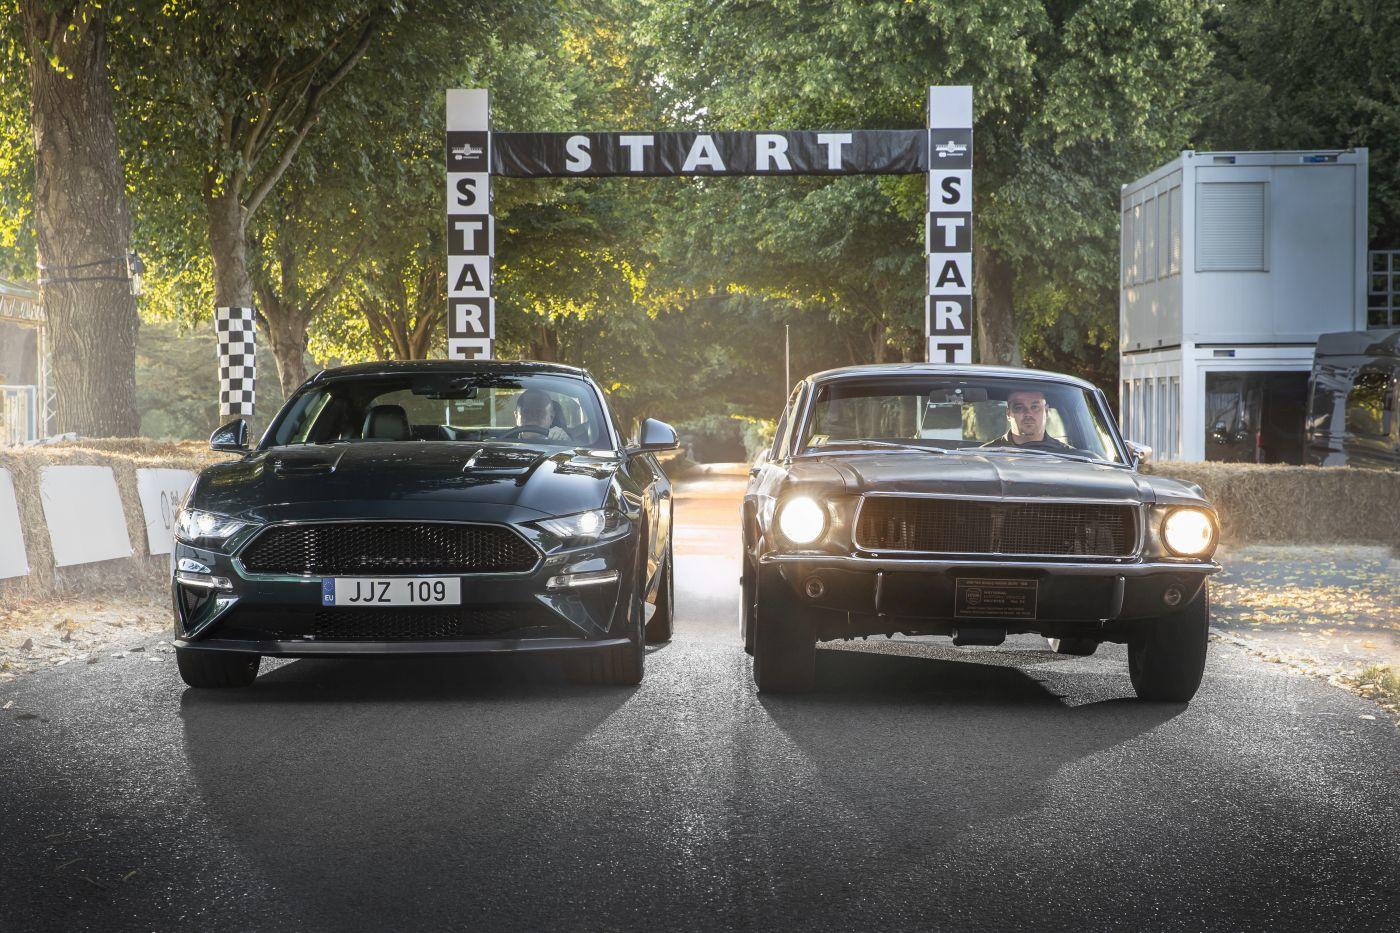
(814,588)
(568,581)
(1172,595)
(203,581)
(193,566)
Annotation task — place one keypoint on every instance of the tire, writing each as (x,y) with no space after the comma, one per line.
(661,625)
(1079,647)
(785,647)
(216,668)
(622,665)
(1167,660)
(746,605)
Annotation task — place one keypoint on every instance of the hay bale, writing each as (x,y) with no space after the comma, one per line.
(124,456)
(1270,503)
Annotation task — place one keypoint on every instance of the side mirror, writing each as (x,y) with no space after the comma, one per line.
(656,435)
(1140,453)
(232,436)
(763,457)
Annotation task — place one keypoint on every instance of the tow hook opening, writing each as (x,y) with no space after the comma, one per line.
(978,635)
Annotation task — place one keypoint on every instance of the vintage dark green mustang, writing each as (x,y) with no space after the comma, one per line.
(974,502)
(428,507)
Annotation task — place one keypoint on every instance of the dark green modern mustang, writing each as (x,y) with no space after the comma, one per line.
(428,507)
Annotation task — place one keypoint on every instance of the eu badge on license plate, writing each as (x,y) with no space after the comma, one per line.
(980,598)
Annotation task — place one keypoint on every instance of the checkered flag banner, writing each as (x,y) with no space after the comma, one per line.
(237,360)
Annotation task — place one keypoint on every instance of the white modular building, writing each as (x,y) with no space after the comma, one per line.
(1232,265)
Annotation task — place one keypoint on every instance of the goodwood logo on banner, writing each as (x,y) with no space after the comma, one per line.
(943,150)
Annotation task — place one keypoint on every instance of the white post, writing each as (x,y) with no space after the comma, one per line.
(471,233)
(948,225)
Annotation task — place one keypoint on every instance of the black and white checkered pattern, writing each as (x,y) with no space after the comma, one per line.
(237,360)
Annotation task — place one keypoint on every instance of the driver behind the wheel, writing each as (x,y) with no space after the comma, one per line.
(1026,409)
(532,411)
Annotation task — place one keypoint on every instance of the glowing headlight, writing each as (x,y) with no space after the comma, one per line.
(193,525)
(802,520)
(1188,532)
(586,527)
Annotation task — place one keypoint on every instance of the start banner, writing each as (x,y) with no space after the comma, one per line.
(800,152)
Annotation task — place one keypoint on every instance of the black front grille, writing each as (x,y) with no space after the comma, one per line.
(960,526)
(392,624)
(350,548)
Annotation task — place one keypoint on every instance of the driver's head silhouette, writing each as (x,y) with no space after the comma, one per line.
(1026,408)
(532,409)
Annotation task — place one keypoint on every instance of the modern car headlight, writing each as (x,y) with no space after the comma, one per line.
(802,520)
(194,526)
(1188,532)
(585,527)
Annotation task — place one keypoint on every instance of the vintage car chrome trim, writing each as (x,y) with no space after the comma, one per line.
(1139,523)
(237,557)
(1135,569)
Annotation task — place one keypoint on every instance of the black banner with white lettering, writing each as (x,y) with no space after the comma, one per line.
(815,152)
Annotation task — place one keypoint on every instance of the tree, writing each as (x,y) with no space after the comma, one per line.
(82,226)
(1069,101)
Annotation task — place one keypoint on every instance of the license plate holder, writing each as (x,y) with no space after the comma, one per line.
(391,591)
(995,598)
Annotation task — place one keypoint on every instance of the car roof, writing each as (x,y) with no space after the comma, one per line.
(458,367)
(945,369)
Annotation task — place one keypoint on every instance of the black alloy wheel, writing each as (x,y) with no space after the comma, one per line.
(661,625)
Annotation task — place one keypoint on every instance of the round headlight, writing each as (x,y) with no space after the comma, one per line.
(802,520)
(1188,532)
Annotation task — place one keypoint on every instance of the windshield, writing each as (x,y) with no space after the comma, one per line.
(949,413)
(528,408)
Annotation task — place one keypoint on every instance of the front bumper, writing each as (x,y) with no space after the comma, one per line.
(283,616)
(860,595)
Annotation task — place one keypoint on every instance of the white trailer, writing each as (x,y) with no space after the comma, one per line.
(1232,265)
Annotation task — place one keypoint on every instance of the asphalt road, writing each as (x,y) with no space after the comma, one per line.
(922,787)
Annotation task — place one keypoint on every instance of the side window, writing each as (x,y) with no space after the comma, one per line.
(1370,405)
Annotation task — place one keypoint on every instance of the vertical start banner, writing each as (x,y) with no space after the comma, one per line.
(471,233)
(948,227)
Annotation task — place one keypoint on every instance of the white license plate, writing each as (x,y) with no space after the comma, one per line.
(391,591)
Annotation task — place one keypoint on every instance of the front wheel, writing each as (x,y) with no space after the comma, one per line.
(1167,657)
(216,668)
(620,665)
(784,646)
(661,625)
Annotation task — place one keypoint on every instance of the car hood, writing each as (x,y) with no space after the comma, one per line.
(969,473)
(419,479)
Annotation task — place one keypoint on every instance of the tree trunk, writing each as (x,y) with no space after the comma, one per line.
(81,222)
(994,310)
(228,247)
(287,334)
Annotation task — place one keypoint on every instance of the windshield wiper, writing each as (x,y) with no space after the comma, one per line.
(887,444)
(1044,453)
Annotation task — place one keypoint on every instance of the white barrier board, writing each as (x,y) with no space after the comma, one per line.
(161,492)
(13,561)
(84,513)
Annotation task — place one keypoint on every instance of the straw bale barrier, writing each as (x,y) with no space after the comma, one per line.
(1268,503)
(125,456)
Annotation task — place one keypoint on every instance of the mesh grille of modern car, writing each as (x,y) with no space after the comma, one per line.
(961,526)
(350,548)
(417,623)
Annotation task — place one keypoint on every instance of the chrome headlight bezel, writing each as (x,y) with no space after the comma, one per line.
(796,528)
(1203,520)
(198,527)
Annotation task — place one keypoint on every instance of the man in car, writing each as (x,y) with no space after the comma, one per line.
(1027,410)
(533,410)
